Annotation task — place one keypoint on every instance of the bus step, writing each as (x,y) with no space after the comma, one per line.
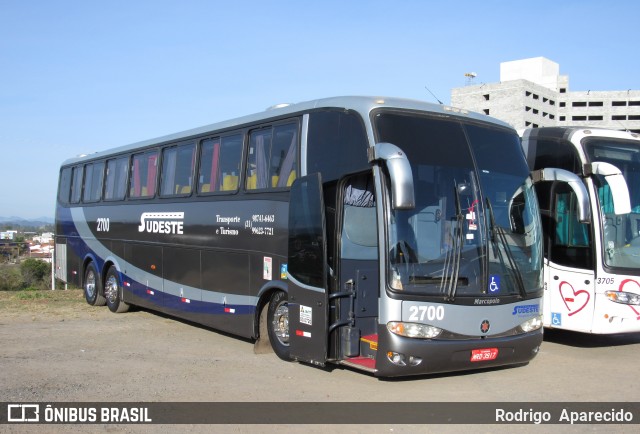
(369,346)
(362,363)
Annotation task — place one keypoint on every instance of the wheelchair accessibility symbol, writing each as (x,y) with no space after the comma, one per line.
(494,283)
(556,319)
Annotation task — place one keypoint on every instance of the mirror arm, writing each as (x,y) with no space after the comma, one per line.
(574,181)
(402,193)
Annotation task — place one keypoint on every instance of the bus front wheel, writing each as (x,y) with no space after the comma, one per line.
(278,324)
(113,292)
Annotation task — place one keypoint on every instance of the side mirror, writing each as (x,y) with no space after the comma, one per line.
(574,181)
(402,194)
(619,189)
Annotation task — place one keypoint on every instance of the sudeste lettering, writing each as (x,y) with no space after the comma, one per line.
(162,222)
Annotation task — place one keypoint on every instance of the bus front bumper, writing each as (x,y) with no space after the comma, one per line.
(419,356)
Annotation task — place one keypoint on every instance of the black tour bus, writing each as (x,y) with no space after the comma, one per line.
(393,236)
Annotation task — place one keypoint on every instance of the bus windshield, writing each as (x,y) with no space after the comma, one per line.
(475,229)
(620,233)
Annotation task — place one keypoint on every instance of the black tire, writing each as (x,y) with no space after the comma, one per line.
(278,324)
(93,286)
(113,292)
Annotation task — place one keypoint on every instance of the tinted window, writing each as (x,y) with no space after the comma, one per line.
(178,163)
(306,232)
(64,188)
(467,178)
(93,182)
(76,184)
(552,153)
(116,179)
(336,144)
(570,239)
(272,158)
(220,164)
(143,175)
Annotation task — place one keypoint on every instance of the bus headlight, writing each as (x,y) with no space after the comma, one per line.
(623,297)
(532,324)
(413,330)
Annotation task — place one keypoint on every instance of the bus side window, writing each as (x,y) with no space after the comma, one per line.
(259,150)
(93,182)
(220,164)
(336,144)
(64,189)
(178,163)
(273,157)
(76,184)
(143,175)
(116,179)
(284,155)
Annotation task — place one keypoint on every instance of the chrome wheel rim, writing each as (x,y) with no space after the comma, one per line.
(111,289)
(90,284)
(280,323)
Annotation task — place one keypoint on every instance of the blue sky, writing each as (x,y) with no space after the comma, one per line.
(83,76)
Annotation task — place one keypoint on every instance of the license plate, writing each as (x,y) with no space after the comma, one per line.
(484,354)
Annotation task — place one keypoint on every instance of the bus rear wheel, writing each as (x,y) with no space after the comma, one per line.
(278,324)
(113,292)
(93,286)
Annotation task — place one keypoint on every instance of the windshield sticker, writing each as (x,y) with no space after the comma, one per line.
(494,283)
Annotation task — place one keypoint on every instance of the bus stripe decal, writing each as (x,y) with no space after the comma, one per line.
(155,283)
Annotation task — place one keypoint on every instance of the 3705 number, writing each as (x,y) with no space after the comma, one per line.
(429,313)
(103,225)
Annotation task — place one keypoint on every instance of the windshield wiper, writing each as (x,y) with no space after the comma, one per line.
(432,280)
(456,252)
(498,232)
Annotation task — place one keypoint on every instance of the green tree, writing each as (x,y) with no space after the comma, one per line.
(35,273)
(10,278)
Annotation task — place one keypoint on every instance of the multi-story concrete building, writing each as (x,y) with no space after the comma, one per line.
(532,93)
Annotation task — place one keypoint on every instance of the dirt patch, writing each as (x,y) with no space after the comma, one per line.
(56,348)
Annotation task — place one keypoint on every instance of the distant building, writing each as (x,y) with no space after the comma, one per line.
(8,235)
(532,93)
(45,238)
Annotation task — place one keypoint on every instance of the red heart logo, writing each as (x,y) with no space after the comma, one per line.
(571,298)
(624,282)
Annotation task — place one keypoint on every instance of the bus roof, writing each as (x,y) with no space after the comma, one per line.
(361,104)
(566,133)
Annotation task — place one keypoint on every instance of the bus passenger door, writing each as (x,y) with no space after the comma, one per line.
(307,272)
(356,304)
(569,276)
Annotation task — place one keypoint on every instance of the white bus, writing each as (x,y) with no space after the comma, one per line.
(592,262)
